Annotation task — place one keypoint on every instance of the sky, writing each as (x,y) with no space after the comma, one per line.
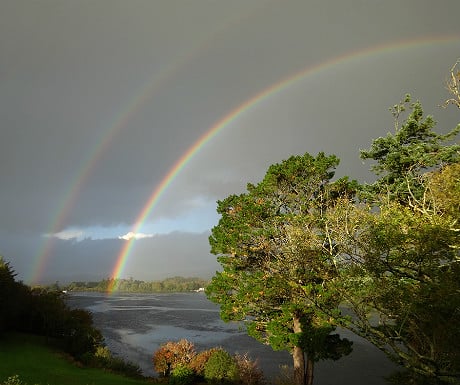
(123,122)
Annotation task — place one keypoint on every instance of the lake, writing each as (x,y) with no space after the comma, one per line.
(135,325)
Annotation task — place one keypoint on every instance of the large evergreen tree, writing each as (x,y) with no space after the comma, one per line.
(279,265)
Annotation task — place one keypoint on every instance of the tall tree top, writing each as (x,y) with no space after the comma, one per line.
(414,147)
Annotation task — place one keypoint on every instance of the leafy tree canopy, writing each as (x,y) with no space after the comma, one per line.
(401,246)
(278,264)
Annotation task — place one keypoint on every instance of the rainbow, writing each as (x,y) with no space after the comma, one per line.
(83,173)
(245,107)
(146,92)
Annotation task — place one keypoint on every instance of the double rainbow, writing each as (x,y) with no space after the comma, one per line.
(213,131)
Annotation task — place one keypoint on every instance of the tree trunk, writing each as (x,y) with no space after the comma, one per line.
(309,371)
(298,356)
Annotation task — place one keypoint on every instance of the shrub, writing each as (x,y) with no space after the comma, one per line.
(103,353)
(198,362)
(181,375)
(103,358)
(172,354)
(80,336)
(220,368)
(249,371)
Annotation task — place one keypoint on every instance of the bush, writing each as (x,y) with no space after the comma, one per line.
(179,362)
(103,358)
(172,354)
(249,371)
(220,368)
(198,362)
(103,353)
(181,375)
(99,359)
(80,336)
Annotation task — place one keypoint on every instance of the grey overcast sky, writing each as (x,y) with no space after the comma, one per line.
(100,100)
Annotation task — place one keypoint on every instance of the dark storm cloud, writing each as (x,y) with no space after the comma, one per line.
(123,89)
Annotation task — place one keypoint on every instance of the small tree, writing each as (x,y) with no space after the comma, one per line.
(198,362)
(220,368)
(172,354)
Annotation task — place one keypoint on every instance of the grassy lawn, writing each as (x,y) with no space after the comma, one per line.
(36,363)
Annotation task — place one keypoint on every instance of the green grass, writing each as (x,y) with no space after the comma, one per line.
(36,363)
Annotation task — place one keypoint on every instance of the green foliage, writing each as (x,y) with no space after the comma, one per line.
(296,245)
(413,149)
(402,260)
(44,312)
(103,353)
(103,358)
(220,368)
(181,375)
(79,335)
(179,362)
(279,265)
(410,276)
(198,362)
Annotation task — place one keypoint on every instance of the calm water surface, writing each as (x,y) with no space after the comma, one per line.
(135,325)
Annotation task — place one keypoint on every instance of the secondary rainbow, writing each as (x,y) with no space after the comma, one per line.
(149,88)
(83,173)
(243,108)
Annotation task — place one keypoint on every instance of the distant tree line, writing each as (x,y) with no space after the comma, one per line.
(168,285)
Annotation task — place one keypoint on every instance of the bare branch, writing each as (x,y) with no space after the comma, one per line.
(453,86)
